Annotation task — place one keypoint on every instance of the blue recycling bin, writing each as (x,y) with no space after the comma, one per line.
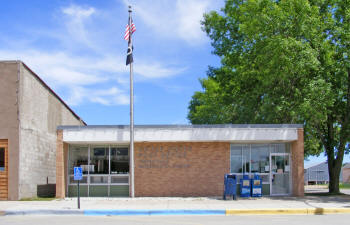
(245,186)
(230,183)
(256,186)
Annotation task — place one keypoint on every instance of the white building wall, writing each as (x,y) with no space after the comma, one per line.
(40,114)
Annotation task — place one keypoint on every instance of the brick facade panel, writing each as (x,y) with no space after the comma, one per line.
(181,168)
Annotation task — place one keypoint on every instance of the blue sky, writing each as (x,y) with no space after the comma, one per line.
(77,48)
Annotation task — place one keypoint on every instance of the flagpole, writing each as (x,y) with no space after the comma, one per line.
(131,118)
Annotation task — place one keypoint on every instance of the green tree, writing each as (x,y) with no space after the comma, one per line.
(282,61)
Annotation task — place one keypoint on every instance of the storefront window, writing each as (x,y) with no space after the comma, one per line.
(105,170)
(236,158)
(280,148)
(99,159)
(240,159)
(260,159)
(246,158)
(78,156)
(254,158)
(119,160)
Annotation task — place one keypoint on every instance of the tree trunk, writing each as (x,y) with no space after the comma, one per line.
(334,168)
(333,180)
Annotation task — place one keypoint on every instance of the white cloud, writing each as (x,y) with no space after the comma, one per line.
(180,18)
(58,69)
(78,12)
(189,14)
(112,96)
(156,70)
(75,18)
(78,74)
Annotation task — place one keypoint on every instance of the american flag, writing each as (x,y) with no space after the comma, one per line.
(128,30)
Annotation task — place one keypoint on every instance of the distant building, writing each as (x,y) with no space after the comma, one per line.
(29,115)
(346,173)
(318,174)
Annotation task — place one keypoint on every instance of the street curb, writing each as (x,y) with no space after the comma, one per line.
(43,212)
(303,211)
(153,212)
(146,212)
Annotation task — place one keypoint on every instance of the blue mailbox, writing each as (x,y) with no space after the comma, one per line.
(245,186)
(256,186)
(230,183)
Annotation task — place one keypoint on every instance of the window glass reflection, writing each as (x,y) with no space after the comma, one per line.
(99,160)
(236,158)
(78,156)
(260,159)
(119,160)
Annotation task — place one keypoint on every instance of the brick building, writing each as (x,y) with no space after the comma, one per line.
(179,160)
(29,115)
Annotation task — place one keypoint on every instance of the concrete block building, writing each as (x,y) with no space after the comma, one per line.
(179,160)
(29,115)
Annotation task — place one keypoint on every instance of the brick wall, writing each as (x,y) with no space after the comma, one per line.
(61,165)
(298,165)
(181,168)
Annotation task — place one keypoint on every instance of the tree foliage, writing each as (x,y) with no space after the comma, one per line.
(282,61)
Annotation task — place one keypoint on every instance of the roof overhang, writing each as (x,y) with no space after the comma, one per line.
(182,133)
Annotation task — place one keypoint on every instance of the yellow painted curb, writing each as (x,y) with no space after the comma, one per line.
(312,211)
(321,211)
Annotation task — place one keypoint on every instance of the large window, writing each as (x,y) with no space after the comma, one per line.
(254,158)
(260,158)
(119,160)
(105,170)
(78,157)
(236,159)
(99,159)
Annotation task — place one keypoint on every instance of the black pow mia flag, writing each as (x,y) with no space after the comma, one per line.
(129,58)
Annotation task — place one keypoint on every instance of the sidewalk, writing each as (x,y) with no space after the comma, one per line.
(165,206)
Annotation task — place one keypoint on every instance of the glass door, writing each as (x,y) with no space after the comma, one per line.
(280,174)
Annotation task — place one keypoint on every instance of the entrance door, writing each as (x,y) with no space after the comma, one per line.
(280,174)
(3,170)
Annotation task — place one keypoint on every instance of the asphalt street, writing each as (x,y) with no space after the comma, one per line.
(338,219)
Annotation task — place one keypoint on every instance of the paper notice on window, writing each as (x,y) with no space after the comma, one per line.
(279,171)
(286,168)
(267,168)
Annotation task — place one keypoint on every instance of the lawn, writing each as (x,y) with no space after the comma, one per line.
(344,186)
